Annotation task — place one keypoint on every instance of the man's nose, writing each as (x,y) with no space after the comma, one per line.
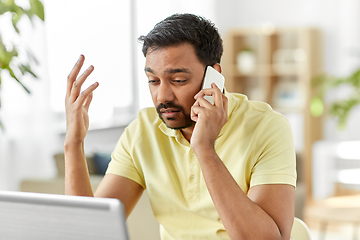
(165,93)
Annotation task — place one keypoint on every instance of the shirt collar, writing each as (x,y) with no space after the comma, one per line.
(177,133)
(168,131)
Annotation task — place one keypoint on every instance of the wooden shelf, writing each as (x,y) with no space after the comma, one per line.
(284,109)
(270,70)
(276,66)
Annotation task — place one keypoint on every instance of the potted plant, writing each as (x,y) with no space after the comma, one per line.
(246,60)
(339,108)
(11,60)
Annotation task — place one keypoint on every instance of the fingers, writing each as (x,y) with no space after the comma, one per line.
(88,101)
(195,111)
(77,84)
(74,84)
(73,74)
(201,104)
(215,92)
(85,97)
(218,96)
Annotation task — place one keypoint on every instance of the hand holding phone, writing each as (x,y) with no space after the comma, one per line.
(212,76)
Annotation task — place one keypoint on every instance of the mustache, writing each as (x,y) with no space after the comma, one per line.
(168,105)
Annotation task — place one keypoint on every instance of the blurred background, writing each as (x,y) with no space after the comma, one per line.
(302,57)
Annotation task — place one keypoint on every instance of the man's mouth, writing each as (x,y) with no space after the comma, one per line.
(173,116)
(169,113)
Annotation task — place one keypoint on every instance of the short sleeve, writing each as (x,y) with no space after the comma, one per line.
(122,162)
(274,157)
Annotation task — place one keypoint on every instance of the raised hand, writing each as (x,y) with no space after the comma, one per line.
(77,103)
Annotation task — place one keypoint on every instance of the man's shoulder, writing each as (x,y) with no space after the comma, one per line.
(148,114)
(146,117)
(147,120)
(240,103)
(250,110)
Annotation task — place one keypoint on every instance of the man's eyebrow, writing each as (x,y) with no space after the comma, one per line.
(170,70)
(147,69)
(177,70)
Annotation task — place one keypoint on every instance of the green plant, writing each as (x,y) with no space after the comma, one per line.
(10,59)
(339,108)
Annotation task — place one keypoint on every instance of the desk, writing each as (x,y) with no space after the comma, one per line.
(344,209)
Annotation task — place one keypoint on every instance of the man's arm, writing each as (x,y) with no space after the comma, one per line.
(267,212)
(77,104)
(122,188)
(77,180)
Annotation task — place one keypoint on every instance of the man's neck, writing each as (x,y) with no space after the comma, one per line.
(187,132)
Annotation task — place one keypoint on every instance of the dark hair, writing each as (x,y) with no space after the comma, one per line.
(181,28)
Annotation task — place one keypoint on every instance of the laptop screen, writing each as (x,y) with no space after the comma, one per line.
(48,216)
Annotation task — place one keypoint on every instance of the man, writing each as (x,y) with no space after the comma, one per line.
(222,171)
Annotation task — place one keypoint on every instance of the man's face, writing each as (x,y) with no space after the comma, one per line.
(175,75)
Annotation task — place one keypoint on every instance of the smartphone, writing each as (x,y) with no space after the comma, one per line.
(212,76)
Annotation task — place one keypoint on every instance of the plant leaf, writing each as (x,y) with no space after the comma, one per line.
(354,79)
(342,109)
(2,126)
(4,8)
(26,68)
(29,14)
(14,22)
(0,86)
(37,8)
(12,74)
(31,56)
(17,13)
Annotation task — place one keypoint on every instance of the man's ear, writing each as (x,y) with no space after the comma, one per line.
(217,66)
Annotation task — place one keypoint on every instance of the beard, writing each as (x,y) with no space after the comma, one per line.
(186,117)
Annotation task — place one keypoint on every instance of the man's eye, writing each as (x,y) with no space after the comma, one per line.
(152,81)
(179,81)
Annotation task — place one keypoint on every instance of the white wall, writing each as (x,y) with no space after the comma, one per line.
(27,147)
(32,132)
(28,141)
(338,20)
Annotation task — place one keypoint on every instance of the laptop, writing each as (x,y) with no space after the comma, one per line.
(37,216)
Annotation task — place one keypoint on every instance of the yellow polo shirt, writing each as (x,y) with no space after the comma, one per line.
(256,145)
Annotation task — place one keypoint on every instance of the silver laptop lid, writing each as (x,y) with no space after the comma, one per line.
(36,216)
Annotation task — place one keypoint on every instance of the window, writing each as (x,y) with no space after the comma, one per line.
(101,30)
(106,33)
